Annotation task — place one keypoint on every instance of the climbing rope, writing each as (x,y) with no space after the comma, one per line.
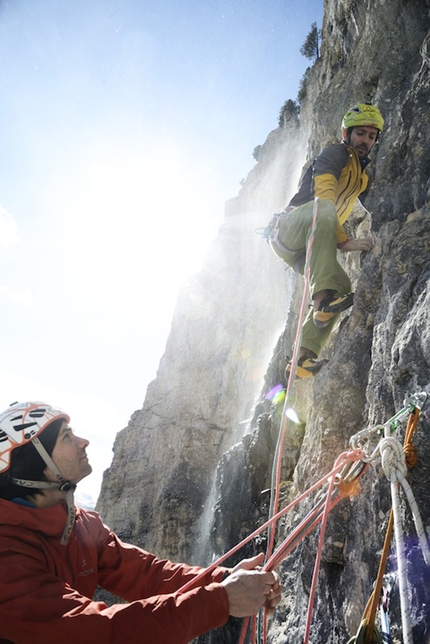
(412,406)
(341,482)
(277,461)
(328,506)
(368,632)
(394,466)
(394,460)
(393,463)
(342,464)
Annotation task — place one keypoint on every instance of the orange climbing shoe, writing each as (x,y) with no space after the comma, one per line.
(331,306)
(306,367)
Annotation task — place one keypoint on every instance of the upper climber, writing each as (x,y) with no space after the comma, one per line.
(337,177)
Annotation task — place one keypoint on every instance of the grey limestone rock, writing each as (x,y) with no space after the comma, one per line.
(191,475)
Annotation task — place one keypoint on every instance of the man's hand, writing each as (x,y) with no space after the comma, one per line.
(249,588)
(361,243)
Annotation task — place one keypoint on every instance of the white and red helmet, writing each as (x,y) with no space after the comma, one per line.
(21,423)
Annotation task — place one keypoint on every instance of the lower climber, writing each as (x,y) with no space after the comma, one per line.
(337,177)
(53,555)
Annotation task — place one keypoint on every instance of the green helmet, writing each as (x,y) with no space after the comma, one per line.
(363,114)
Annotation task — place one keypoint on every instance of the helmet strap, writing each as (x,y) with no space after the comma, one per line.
(348,133)
(63,485)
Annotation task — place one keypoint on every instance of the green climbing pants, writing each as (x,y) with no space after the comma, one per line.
(289,236)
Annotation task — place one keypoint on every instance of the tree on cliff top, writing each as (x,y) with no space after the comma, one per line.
(310,47)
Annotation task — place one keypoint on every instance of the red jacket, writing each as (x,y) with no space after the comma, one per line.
(46,589)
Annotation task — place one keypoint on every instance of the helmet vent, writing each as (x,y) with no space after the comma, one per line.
(25,426)
(37,413)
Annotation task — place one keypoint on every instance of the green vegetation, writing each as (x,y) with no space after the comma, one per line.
(256,153)
(310,47)
(303,87)
(289,109)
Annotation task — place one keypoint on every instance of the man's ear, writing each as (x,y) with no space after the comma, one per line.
(345,134)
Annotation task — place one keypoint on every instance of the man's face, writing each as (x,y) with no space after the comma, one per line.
(363,139)
(69,456)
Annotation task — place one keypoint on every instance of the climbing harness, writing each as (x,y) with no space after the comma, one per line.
(271,235)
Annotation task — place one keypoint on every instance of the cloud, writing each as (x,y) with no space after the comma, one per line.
(8,229)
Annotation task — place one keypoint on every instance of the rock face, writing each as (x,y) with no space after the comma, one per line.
(226,323)
(187,450)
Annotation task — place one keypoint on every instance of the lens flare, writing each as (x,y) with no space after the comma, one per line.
(273,392)
(291,415)
(276,395)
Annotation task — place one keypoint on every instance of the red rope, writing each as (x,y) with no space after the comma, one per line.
(317,565)
(321,510)
(278,455)
(276,475)
(342,460)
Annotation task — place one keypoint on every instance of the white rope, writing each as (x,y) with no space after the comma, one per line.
(395,459)
(401,562)
(394,465)
(417,517)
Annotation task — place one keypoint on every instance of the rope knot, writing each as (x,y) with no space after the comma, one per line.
(392,457)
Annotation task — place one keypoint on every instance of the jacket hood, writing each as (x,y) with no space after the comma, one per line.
(50,521)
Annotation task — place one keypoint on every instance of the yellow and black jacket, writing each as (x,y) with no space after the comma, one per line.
(337,175)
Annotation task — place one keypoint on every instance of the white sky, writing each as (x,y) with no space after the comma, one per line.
(126,125)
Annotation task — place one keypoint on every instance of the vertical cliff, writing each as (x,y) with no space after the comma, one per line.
(226,323)
(219,360)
